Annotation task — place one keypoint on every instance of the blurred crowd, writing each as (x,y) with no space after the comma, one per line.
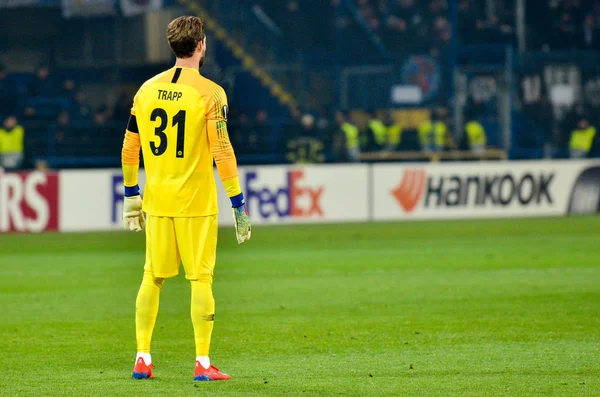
(564,24)
(578,132)
(408,25)
(51,116)
(46,114)
(383,133)
(403,25)
(358,136)
(574,136)
(424,26)
(491,23)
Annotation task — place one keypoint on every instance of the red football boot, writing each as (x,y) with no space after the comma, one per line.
(141,370)
(212,373)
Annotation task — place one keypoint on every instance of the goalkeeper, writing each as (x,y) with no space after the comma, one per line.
(179,120)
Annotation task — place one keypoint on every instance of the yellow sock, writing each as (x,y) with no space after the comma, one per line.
(203,313)
(146,309)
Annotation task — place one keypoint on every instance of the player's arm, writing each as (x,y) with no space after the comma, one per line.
(133,217)
(224,156)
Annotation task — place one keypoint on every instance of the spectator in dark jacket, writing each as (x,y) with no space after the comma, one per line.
(80,108)
(8,92)
(68,90)
(122,108)
(65,140)
(43,83)
(590,39)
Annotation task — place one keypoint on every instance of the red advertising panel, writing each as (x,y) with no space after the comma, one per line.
(28,201)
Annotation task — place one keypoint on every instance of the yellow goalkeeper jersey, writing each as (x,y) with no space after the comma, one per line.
(179,120)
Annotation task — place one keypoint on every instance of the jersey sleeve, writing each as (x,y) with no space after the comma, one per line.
(130,154)
(217,107)
(220,145)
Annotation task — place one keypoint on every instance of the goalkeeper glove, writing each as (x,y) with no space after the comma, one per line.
(133,217)
(243,230)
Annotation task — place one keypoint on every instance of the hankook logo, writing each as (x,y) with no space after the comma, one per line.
(473,190)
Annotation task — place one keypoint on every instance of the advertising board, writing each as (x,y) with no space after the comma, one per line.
(88,200)
(28,201)
(480,190)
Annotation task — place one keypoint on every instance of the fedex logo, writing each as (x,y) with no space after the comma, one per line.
(294,199)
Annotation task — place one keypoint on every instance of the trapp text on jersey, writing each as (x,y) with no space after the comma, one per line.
(166,95)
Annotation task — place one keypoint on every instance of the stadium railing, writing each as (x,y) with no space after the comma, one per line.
(453,155)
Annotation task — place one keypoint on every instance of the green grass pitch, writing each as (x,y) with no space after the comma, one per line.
(466,308)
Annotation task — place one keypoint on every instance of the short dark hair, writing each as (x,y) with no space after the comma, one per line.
(184,34)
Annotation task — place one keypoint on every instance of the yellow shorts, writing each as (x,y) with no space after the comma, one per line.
(170,241)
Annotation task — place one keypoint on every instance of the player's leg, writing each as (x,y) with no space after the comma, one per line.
(146,310)
(203,316)
(197,239)
(162,261)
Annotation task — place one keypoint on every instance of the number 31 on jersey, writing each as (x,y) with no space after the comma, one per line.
(177,121)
